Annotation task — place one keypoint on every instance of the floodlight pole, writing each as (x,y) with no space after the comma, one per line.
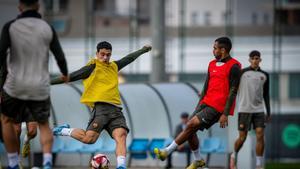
(158,72)
(89,30)
(134,31)
(182,35)
(277,52)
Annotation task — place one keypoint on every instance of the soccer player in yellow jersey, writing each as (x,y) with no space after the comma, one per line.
(102,94)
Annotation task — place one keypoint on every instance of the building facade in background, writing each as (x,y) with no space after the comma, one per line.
(199,17)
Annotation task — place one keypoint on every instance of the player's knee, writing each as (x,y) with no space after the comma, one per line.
(121,137)
(189,129)
(260,137)
(191,125)
(89,140)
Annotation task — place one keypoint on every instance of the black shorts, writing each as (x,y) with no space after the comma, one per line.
(16,108)
(106,116)
(246,119)
(208,116)
(24,116)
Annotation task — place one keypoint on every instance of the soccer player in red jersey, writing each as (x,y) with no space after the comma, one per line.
(217,101)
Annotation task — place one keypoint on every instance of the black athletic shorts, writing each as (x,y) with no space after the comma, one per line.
(15,108)
(106,116)
(246,119)
(24,116)
(207,115)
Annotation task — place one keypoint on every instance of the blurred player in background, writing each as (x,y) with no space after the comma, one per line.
(102,94)
(217,101)
(24,45)
(24,116)
(253,94)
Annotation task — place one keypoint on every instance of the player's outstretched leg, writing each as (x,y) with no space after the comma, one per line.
(59,130)
(162,154)
(192,127)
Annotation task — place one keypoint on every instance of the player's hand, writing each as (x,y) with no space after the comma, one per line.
(268,118)
(147,47)
(223,121)
(66,79)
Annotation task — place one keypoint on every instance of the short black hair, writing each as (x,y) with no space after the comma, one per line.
(184,115)
(254,53)
(224,42)
(28,2)
(104,45)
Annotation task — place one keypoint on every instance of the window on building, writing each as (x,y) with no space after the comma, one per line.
(60,25)
(194,18)
(207,18)
(63,4)
(294,83)
(266,19)
(254,18)
(274,88)
(104,6)
(99,5)
(293,1)
(144,11)
(56,6)
(224,16)
(48,4)
(289,17)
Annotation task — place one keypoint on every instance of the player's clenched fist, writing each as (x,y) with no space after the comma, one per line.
(148,47)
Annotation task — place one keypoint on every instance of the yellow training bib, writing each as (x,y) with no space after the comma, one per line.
(101,85)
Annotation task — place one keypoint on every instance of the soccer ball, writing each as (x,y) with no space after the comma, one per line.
(100,161)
